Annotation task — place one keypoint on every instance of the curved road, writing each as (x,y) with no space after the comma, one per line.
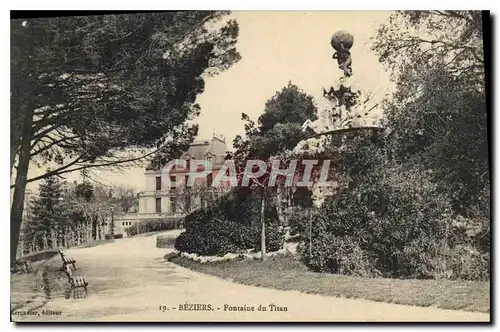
(130,281)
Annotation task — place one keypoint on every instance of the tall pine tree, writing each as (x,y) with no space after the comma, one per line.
(49,213)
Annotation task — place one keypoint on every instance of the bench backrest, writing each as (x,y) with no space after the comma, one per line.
(68,272)
(63,257)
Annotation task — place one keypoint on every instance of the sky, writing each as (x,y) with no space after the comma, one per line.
(276,47)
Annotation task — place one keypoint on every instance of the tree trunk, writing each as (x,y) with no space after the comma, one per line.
(112,226)
(263,233)
(17,206)
(45,241)
(78,235)
(16,123)
(101,228)
(90,230)
(20,248)
(310,234)
(53,239)
(279,205)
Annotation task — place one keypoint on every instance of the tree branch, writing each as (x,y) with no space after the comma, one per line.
(54,142)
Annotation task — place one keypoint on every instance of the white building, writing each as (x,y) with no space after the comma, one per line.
(166,193)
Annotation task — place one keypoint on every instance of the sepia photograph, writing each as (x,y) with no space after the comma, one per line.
(250,166)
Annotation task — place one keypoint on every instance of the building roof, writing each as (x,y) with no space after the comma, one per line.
(200,149)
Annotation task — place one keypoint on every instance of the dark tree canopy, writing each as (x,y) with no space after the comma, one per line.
(97,84)
(437,116)
(84,90)
(280,126)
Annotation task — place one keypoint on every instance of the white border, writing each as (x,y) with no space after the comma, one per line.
(185,4)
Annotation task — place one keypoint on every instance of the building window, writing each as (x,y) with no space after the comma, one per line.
(188,203)
(158,205)
(186,180)
(209,180)
(172,181)
(158,183)
(173,204)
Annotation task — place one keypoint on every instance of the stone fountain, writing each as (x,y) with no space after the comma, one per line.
(345,108)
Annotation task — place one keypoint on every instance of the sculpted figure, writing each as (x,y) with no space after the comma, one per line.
(342,42)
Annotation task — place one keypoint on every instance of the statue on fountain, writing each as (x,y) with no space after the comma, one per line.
(343,108)
(342,42)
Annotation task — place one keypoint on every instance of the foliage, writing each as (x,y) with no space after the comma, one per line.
(395,223)
(280,126)
(416,38)
(108,83)
(114,81)
(297,220)
(337,254)
(235,223)
(413,201)
(445,130)
(231,225)
(437,116)
(154,225)
(417,200)
(125,197)
(49,212)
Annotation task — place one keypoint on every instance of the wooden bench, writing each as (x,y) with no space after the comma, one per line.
(67,261)
(76,282)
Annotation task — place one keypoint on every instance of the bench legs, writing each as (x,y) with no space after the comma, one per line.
(77,291)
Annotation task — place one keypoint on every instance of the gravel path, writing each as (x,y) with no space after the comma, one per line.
(130,281)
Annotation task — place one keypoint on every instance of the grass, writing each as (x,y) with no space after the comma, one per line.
(29,291)
(286,273)
(32,290)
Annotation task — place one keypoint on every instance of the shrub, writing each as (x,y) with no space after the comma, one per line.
(341,255)
(471,264)
(155,225)
(275,236)
(208,244)
(297,218)
(393,222)
(231,225)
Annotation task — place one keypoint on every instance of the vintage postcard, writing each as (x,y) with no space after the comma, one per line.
(250,166)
